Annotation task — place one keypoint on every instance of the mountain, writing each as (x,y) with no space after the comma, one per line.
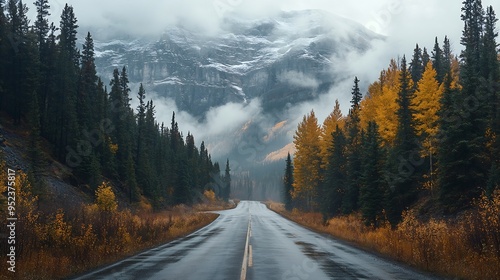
(282,60)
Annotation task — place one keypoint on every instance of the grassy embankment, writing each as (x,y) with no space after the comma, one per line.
(465,247)
(72,241)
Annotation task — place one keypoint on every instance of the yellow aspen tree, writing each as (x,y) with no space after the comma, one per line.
(427,104)
(368,110)
(329,126)
(386,104)
(381,105)
(105,198)
(307,161)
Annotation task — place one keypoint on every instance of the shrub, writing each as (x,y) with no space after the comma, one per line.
(105,198)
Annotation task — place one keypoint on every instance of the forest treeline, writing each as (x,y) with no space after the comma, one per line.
(50,85)
(427,128)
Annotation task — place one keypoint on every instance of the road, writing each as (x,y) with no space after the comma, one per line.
(252,242)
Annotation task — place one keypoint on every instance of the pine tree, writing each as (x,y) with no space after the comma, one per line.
(48,87)
(205,170)
(151,141)
(42,23)
(490,63)
(227,182)
(67,36)
(144,172)
(141,124)
(22,62)
(425,57)
(175,134)
(182,193)
(123,121)
(107,159)
(416,66)
(87,113)
(66,120)
(42,29)
(405,136)
(193,160)
(451,163)
(288,183)
(372,190)
(87,88)
(463,159)
(334,185)
(353,130)
(404,160)
(447,58)
(438,61)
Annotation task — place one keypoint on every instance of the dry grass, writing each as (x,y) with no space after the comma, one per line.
(467,248)
(62,244)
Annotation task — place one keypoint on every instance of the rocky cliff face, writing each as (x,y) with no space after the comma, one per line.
(282,60)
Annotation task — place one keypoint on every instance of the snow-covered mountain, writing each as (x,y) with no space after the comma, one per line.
(282,60)
(243,82)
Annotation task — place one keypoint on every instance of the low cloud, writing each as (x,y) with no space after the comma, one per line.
(299,79)
(219,127)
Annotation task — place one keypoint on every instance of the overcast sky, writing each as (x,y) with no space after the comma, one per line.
(409,20)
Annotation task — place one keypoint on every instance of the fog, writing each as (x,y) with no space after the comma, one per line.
(299,79)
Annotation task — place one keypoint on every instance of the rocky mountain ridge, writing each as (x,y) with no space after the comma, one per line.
(282,60)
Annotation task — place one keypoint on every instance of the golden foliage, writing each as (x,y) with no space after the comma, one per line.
(367,112)
(327,129)
(380,105)
(105,198)
(307,159)
(427,104)
(58,245)
(210,195)
(59,231)
(112,146)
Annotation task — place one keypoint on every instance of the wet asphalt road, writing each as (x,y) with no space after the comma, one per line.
(277,249)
